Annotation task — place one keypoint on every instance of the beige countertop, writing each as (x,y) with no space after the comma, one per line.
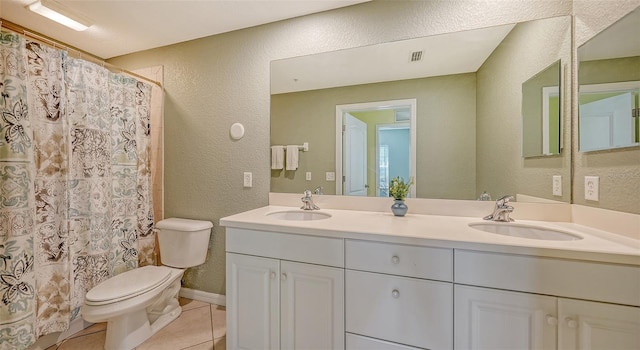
(445,232)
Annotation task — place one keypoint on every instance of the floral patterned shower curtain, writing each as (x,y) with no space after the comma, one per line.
(75,185)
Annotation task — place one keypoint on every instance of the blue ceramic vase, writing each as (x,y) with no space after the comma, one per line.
(399,208)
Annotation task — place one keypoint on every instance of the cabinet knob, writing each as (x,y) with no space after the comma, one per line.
(272,275)
(395,293)
(395,259)
(551,320)
(283,276)
(571,322)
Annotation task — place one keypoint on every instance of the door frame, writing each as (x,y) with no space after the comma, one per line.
(379,105)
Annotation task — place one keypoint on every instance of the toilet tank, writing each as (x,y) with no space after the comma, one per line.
(183,242)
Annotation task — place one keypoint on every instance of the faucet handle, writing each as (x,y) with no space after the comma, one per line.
(504,200)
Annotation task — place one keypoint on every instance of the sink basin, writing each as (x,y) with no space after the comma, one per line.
(299,215)
(524,231)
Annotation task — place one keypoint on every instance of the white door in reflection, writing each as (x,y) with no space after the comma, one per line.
(607,123)
(362,131)
(355,157)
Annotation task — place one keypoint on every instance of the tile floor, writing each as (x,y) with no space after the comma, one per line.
(201,326)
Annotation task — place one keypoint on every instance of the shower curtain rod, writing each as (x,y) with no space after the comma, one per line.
(18,29)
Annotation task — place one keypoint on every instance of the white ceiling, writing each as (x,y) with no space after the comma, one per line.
(452,53)
(125,26)
(619,40)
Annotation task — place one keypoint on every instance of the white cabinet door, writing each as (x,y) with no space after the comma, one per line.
(494,319)
(253,305)
(312,306)
(592,325)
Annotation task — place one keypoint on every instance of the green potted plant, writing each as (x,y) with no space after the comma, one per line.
(399,189)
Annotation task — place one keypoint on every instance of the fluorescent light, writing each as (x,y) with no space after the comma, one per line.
(59,13)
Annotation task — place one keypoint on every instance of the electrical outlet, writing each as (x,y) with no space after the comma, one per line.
(307,176)
(557,185)
(592,188)
(248,179)
(330,176)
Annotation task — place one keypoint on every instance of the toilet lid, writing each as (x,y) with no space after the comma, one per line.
(129,284)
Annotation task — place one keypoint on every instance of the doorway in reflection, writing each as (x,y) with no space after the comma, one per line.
(377,143)
(393,155)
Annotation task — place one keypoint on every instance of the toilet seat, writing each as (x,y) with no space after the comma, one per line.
(127,285)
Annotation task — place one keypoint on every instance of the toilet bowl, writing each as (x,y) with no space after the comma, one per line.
(137,303)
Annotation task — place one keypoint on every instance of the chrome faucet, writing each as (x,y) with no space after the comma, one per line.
(308,202)
(502,210)
(318,190)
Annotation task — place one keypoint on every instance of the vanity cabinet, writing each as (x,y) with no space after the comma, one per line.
(275,303)
(398,293)
(490,317)
(496,319)
(301,291)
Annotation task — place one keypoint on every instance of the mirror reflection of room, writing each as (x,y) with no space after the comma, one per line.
(468,111)
(541,113)
(609,78)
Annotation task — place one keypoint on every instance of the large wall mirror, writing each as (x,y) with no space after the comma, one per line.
(468,93)
(609,86)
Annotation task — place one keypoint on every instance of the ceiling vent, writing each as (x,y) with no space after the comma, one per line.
(416,56)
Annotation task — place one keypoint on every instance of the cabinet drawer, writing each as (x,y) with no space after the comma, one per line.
(398,259)
(400,309)
(612,283)
(358,342)
(285,246)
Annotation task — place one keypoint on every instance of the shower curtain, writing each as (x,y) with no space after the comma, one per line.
(75,185)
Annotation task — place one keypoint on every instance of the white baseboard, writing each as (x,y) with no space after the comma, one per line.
(206,297)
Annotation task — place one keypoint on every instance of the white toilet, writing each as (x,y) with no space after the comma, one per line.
(137,303)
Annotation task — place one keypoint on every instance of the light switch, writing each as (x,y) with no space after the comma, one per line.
(330,176)
(248,179)
(557,185)
(307,176)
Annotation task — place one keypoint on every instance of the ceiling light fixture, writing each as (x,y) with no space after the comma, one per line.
(61,14)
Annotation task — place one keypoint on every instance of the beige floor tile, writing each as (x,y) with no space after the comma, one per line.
(193,327)
(189,304)
(219,321)
(89,341)
(220,343)
(98,327)
(204,346)
(201,326)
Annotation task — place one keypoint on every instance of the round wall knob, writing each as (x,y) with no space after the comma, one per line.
(571,322)
(236,131)
(395,293)
(395,259)
(551,320)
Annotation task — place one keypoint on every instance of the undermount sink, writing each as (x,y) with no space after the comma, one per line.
(524,231)
(299,215)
